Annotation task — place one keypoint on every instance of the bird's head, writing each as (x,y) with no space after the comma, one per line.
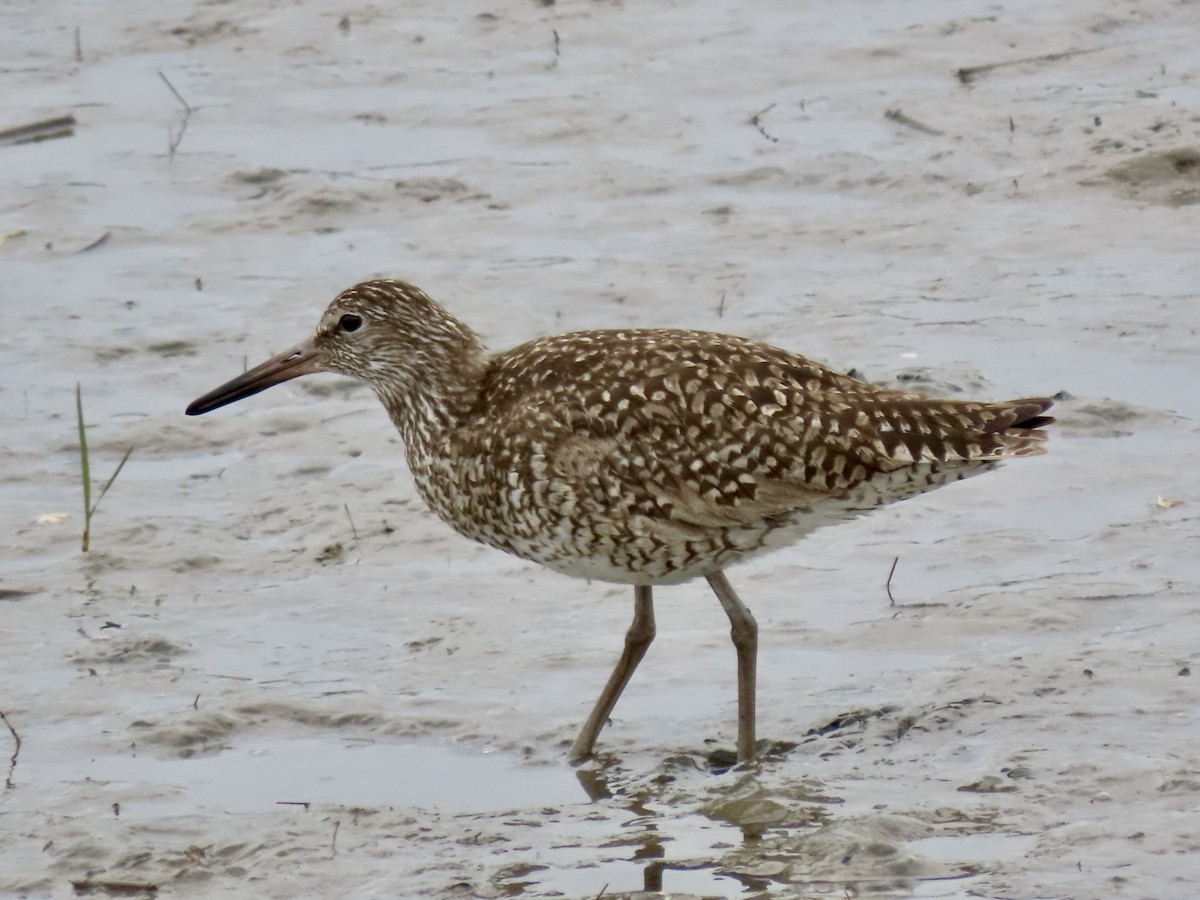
(386,333)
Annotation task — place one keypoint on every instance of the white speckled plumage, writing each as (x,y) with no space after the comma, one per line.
(653,456)
(649,456)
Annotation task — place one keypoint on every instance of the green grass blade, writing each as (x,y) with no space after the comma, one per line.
(83,455)
(112,478)
(89,508)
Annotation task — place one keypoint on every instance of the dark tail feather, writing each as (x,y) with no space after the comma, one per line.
(1024,414)
(1017,426)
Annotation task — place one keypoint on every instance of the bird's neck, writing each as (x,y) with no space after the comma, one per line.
(438,398)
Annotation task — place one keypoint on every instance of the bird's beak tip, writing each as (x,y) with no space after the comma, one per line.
(299,360)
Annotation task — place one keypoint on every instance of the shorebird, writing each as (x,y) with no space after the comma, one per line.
(642,456)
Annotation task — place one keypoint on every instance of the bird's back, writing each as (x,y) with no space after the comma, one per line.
(654,456)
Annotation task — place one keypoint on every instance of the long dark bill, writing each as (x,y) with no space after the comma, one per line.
(300,360)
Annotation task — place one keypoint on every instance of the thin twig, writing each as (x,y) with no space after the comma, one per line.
(353,530)
(901,118)
(967,74)
(98,242)
(888,585)
(173,139)
(9,784)
(721,307)
(333,843)
(178,96)
(756,121)
(305,803)
(46,129)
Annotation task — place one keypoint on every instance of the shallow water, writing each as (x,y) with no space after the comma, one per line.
(268,615)
(261,773)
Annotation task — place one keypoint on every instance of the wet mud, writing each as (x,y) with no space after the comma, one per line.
(275,674)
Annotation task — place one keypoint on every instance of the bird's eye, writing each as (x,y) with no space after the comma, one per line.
(350,322)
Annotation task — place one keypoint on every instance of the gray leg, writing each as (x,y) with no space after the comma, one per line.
(637,642)
(745,640)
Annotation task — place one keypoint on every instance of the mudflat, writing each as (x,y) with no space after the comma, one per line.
(274,673)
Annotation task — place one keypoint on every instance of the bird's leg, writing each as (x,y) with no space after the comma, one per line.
(637,641)
(745,640)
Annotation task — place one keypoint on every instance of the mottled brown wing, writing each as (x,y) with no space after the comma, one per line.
(721,432)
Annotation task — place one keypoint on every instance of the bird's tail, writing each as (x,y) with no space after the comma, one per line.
(1016,426)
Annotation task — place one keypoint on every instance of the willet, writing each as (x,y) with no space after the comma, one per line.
(642,456)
